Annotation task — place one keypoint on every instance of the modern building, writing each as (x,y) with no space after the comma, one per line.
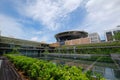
(72,38)
(78,41)
(110,33)
(70,35)
(54,44)
(7,44)
(94,37)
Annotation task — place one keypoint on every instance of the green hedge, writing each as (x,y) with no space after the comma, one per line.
(115,43)
(85,48)
(43,70)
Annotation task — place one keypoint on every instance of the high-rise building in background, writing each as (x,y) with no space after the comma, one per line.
(94,37)
(110,33)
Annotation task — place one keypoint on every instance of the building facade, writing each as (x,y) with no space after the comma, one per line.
(76,38)
(78,41)
(110,33)
(57,44)
(94,37)
(25,47)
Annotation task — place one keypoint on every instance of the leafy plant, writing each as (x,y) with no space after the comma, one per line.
(43,70)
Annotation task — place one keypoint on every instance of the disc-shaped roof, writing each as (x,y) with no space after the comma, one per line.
(69,35)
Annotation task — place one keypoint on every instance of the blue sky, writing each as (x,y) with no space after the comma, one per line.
(40,20)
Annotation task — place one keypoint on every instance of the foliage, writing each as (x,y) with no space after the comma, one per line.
(117,36)
(43,70)
(46,51)
(115,43)
(94,48)
(15,51)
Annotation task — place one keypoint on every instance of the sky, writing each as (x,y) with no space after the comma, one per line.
(40,20)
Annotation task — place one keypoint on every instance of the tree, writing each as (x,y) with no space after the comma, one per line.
(117,36)
(15,51)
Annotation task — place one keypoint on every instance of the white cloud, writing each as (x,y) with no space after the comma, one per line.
(10,27)
(103,10)
(49,12)
(102,15)
(44,38)
(38,32)
(34,38)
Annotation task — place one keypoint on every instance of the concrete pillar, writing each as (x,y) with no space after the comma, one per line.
(74,49)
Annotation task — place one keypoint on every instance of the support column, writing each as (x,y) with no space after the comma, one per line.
(74,49)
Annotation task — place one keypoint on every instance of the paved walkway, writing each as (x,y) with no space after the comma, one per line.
(7,71)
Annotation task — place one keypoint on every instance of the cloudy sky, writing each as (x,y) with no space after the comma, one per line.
(40,20)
